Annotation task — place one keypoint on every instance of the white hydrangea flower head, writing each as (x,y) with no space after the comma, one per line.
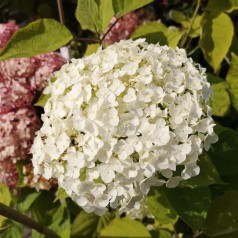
(122,120)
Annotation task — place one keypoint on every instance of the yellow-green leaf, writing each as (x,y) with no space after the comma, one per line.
(92,48)
(42,100)
(216,38)
(155,32)
(220,98)
(84,225)
(5,198)
(125,228)
(160,207)
(38,37)
(232,80)
(94,15)
(121,7)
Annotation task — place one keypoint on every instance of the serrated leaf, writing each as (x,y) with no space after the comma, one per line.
(94,15)
(208,174)
(121,7)
(160,207)
(232,80)
(125,227)
(41,36)
(155,32)
(84,225)
(92,48)
(222,217)
(216,38)
(224,152)
(220,98)
(190,204)
(5,198)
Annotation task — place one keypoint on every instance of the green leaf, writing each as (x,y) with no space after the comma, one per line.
(125,227)
(224,6)
(44,216)
(5,198)
(185,21)
(155,32)
(38,37)
(216,38)
(28,197)
(42,100)
(190,204)
(161,234)
(92,48)
(94,15)
(61,194)
(54,215)
(13,230)
(84,225)
(121,7)
(160,207)
(222,217)
(106,13)
(208,174)
(220,98)
(224,152)
(232,80)
(104,221)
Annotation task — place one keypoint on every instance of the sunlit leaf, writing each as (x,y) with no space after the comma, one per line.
(5,198)
(94,15)
(41,36)
(216,38)
(84,225)
(125,227)
(92,48)
(220,98)
(121,7)
(160,207)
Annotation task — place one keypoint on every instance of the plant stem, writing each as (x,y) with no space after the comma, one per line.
(184,39)
(109,29)
(61,11)
(25,220)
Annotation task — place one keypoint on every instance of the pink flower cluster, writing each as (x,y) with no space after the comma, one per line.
(126,25)
(20,80)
